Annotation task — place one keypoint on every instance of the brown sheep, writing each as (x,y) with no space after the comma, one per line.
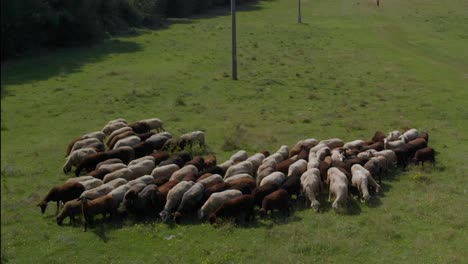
(103,205)
(179,159)
(61,194)
(166,187)
(278,199)
(292,185)
(245,185)
(283,166)
(210,161)
(160,156)
(140,127)
(118,137)
(126,154)
(198,162)
(260,192)
(241,208)
(218,187)
(70,209)
(378,137)
(425,154)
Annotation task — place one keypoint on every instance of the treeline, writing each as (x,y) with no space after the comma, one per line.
(56,23)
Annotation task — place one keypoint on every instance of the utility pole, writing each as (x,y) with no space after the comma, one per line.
(299,17)
(234,45)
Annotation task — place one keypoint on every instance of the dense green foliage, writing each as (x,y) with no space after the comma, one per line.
(350,69)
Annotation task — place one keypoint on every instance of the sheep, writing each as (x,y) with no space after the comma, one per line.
(215,201)
(424,135)
(86,143)
(140,127)
(146,179)
(278,199)
(76,157)
(135,161)
(159,139)
(128,141)
(102,205)
(392,136)
(240,207)
(106,169)
(323,152)
(238,177)
(283,166)
(210,161)
(333,143)
(131,201)
(292,184)
(124,173)
(374,146)
(361,178)
(225,165)
(210,180)
(274,158)
(191,201)
(313,160)
(108,162)
(191,138)
(350,162)
(61,194)
(119,137)
(297,168)
(91,184)
(409,135)
(338,186)
(160,156)
(166,187)
(393,144)
(88,163)
(164,172)
(277,177)
(198,162)
(104,189)
(311,184)
(146,148)
(212,170)
(144,167)
(184,172)
(118,132)
(355,144)
(239,156)
(239,168)
(389,155)
(324,166)
(336,154)
(306,144)
(416,144)
(283,151)
(425,154)
(118,194)
(98,135)
(261,191)
(215,188)
(378,137)
(79,179)
(366,154)
(154,123)
(180,159)
(118,120)
(264,173)
(317,147)
(245,185)
(174,197)
(70,209)
(109,128)
(256,160)
(151,200)
(374,167)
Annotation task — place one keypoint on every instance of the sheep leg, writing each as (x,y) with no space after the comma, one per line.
(329,196)
(58,208)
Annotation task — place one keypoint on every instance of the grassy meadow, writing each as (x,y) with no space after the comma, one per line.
(350,69)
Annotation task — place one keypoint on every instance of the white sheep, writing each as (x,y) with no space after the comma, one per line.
(164,172)
(97,134)
(193,137)
(276,177)
(103,189)
(333,143)
(113,167)
(275,157)
(174,197)
(336,154)
(263,173)
(311,186)
(109,161)
(216,200)
(124,173)
(118,120)
(136,161)
(119,193)
(118,132)
(191,199)
(238,177)
(79,179)
(338,186)
(215,178)
(76,157)
(91,184)
(159,139)
(355,144)
(323,152)
(361,178)
(225,165)
(144,167)
(313,160)
(128,141)
(85,143)
(154,123)
(146,179)
(367,154)
(394,135)
(389,155)
(116,183)
(297,168)
(409,135)
(393,144)
(284,151)
(239,156)
(109,128)
(256,160)
(183,172)
(241,167)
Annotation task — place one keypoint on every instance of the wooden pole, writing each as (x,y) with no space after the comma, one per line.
(234,45)
(299,16)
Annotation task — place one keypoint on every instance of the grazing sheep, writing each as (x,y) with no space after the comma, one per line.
(109,128)
(121,136)
(191,201)
(350,162)
(378,146)
(264,173)
(378,136)
(366,154)
(99,135)
(210,161)
(283,166)
(409,135)
(86,143)
(118,132)
(415,145)
(279,200)
(174,197)
(297,168)
(392,136)
(283,151)
(106,169)
(118,193)
(144,167)
(79,179)
(158,140)
(424,135)
(241,208)
(128,141)
(323,152)
(166,187)
(338,186)
(151,200)
(277,177)
(374,167)
(274,158)
(210,180)
(393,144)
(239,156)
(361,178)
(292,184)
(91,184)
(191,138)
(104,189)
(146,179)
(70,209)
(313,161)
(311,184)
(89,162)
(131,202)
(333,143)
(261,191)
(245,185)
(135,161)
(198,162)
(425,154)
(183,172)
(124,173)
(215,188)
(108,162)
(180,159)
(256,160)
(164,172)
(154,123)
(317,147)
(225,165)
(238,177)
(102,205)
(239,168)
(215,201)
(61,194)
(336,154)
(306,144)
(355,144)
(76,157)
(140,127)
(324,166)
(389,155)
(160,156)
(118,120)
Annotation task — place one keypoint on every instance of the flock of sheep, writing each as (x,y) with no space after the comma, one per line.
(141,169)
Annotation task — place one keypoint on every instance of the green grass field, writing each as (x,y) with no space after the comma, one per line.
(349,70)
